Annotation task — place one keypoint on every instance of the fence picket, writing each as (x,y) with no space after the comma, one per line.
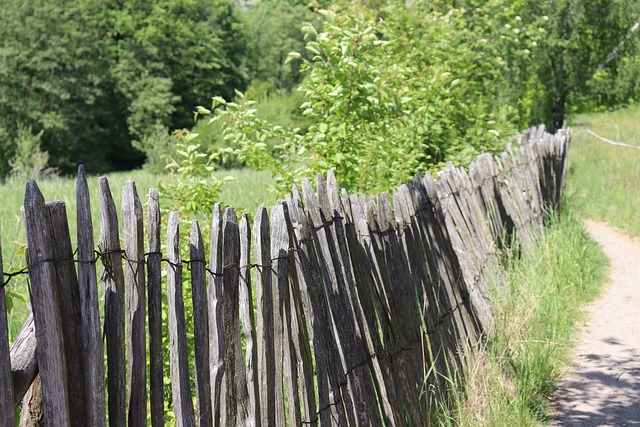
(200,325)
(235,377)
(90,334)
(248,325)
(180,388)
(136,304)
(114,305)
(6,389)
(264,318)
(154,286)
(215,300)
(46,312)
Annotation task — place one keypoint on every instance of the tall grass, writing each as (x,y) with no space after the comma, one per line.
(246,192)
(604,180)
(510,379)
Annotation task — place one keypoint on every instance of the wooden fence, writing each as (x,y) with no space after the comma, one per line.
(330,309)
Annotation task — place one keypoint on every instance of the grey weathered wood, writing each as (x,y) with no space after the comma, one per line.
(248,325)
(178,358)
(352,351)
(154,286)
(69,303)
(264,318)
(215,299)
(46,312)
(24,365)
(200,325)
(133,238)
(90,328)
(6,389)
(299,335)
(235,377)
(333,400)
(114,312)
(286,368)
(32,413)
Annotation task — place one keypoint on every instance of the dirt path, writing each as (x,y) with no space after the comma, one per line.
(603,387)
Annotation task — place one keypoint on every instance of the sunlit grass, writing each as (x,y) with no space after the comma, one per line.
(603,182)
(247,191)
(509,380)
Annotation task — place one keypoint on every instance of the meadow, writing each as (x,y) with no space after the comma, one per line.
(246,192)
(604,180)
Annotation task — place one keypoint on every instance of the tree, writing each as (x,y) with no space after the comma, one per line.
(52,79)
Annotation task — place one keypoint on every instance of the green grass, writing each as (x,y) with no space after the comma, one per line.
(246,192)
(509,380)
(603,180)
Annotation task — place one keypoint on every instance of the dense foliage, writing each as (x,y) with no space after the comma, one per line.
(99,79)
(387,86)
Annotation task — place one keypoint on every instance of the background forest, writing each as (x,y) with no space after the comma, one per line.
(375,90)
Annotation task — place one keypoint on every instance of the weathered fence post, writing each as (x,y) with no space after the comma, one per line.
(180,388)
(24,366)
(248,325)
(215,300)
(90,334)
(264,318)
(154,285)
(200,325)
(135,294)
(113,282)
(47,317)
(6,390)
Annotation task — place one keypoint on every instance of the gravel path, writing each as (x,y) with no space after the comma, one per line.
(603,386)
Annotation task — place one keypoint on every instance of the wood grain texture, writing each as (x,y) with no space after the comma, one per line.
(135,292)
(47,316)
(200,325)
(24,365)
(154,287)
(114,305)
(248,325)
(6,388)
(178,358)
(90,328)
(215,300)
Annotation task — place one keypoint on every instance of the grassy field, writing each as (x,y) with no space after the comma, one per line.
(246,192)
(604,180)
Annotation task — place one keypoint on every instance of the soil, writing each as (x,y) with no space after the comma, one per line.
(603,385)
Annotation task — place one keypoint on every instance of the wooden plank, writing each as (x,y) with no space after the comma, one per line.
(235,377)
(406,364)
(114,311)
(90,327)
(332,399)
(352,351)
(248,325)
(136,304)
(154,286)
(68,301)
(50,352)
(286,367)
(264,318)
(6,388)
(32,413)
(366,273)
(178,359)
(24,365)
(200,325)
(299,335)
(215,300)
